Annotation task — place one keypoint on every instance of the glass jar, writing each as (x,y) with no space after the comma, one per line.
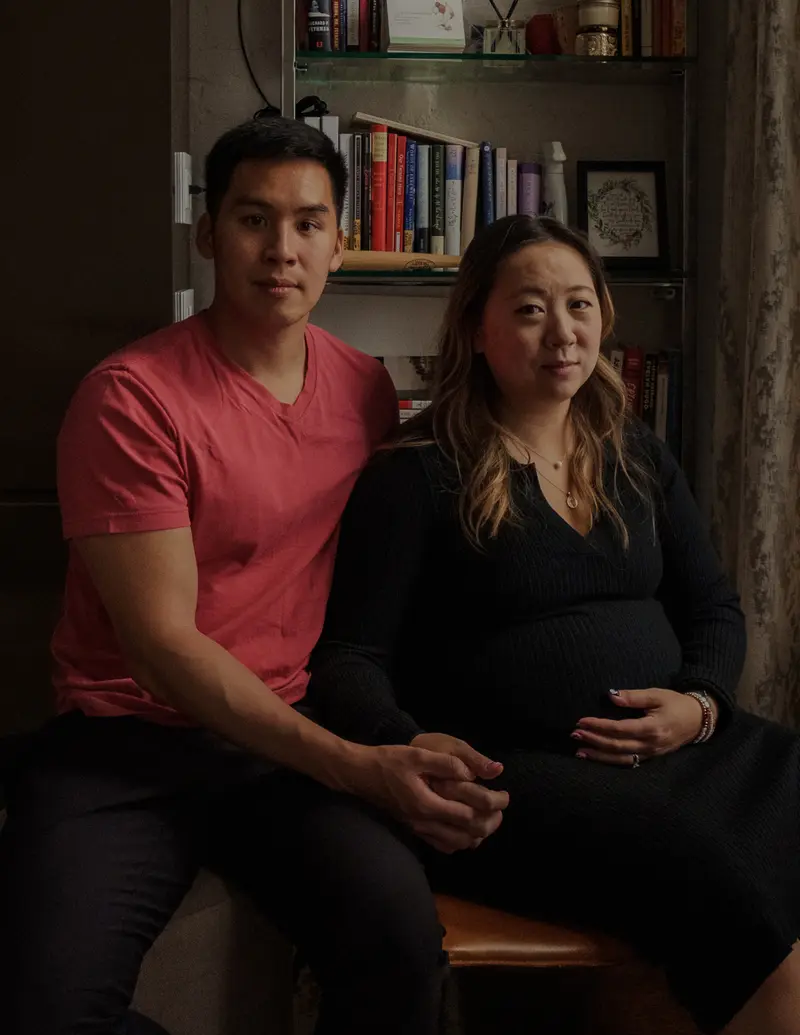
(504,37)
(596,41)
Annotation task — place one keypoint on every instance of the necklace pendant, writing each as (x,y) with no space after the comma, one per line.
(557,465)
(572,503)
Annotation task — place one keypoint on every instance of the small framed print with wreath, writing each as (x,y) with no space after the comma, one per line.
(622,206)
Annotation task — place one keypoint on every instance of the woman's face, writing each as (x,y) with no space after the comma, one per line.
(542,326)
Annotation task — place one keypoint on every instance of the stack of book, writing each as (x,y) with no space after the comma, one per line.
(419,191)
(652,382)
(398,26)
(652,28)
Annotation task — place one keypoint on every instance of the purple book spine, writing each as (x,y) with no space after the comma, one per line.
(529,190)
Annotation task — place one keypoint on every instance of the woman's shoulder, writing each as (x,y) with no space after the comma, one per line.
(407,467)
(647,449)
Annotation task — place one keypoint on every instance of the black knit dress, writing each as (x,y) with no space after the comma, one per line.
(695,856)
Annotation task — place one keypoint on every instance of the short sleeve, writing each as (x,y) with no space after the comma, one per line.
(119,461)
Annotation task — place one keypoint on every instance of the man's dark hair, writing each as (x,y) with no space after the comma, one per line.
(272,138)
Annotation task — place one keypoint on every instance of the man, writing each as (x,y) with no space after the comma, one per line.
(202,474)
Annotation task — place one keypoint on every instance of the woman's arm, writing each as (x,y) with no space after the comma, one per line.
(697,597)
(384,537)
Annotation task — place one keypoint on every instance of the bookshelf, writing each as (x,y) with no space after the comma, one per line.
(601,109)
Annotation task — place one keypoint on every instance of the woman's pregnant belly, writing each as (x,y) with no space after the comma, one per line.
(531,681)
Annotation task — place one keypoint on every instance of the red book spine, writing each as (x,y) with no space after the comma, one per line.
(380,146)
(633,376)
(391,189)
(678,48)
(400,194)
(363,24)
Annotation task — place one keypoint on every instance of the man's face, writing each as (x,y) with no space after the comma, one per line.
(274,241)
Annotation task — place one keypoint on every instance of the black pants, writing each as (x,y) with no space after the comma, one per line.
(109,822)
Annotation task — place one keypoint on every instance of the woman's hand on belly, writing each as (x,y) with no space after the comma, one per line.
(671,721)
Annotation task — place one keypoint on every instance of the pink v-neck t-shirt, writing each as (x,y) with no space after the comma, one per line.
(168,433)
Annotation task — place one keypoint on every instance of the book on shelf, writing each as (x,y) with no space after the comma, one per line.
(649,389)
(626,28)
(647,29)
(422,237)
(363,24)
(661,393)
(617,357)
(400,193)
(375,24)
(329,125)
(424,26)
(319,28)
(454,173)
(657,19)
(486,185)
(411,131)
(469,195)
(678,46)
(353,24)
(410,206)
(391,190)
(632,376)
(312,120)
(658,28)
(529,190)
(437,199)
(409,408)
(346,151)
(380,149)
(356,189)
(636,27)
(500,182)
(511,186)
(336,24)
(366,192)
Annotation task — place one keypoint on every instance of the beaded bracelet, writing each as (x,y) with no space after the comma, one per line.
(709,723)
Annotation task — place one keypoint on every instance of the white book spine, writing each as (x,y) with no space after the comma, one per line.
(511,188)
(346,151)
(353,37)
(469,196)
(617,359)
(647,28)
(329,124)
(454,171)
(500,174)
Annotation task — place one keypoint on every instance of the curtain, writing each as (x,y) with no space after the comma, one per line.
(755,442)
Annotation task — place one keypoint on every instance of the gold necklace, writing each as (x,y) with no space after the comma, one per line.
(572,501)
(557,464)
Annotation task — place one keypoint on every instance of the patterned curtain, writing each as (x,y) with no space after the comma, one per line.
(756,430)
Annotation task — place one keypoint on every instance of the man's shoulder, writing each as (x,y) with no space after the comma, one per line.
(344,357)
(157,358)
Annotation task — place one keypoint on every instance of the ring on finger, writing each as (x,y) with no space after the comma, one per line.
(636,761)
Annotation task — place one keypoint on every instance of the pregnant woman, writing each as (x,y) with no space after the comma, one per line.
(526,573)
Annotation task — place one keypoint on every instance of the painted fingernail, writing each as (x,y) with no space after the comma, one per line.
(614,693)
(576,735)
(581,754)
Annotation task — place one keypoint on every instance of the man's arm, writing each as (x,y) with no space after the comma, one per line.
(148,584)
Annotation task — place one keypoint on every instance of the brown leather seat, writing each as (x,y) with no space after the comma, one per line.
(477,936)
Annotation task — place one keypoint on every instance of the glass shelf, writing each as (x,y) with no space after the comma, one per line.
(379,67)
(444,278)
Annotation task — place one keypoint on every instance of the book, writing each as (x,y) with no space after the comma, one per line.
(353,24)
(657,27)
(346,151)
(617,358)
(358,183)
(647,28)
(366,192)
(418,25)
(500,182)
(632,375)
(374,25)
(529,193)
(486,185)
(363,24)
(678,48)
(649,389)
(511,187)
(336,23)
(312,120)
(411,131)
(320,34)
(626,28)
(469,196)
(666,28)
(400,193)
(391,189)
(422,237)
(662,397)
(410,206)
(675,404)
(437,199)
(342,25)
(454,173)
(380,148)
(329,124)
(636,21)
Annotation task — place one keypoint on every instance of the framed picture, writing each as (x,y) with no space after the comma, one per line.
(622,206)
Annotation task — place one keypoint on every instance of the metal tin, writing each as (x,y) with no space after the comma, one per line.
(596,42)
(592,13)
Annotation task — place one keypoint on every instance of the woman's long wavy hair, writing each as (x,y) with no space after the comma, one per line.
(463,415)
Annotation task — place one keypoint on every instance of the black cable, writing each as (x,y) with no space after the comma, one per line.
(270,108)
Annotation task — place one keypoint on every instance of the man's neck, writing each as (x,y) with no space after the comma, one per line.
(266,353)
